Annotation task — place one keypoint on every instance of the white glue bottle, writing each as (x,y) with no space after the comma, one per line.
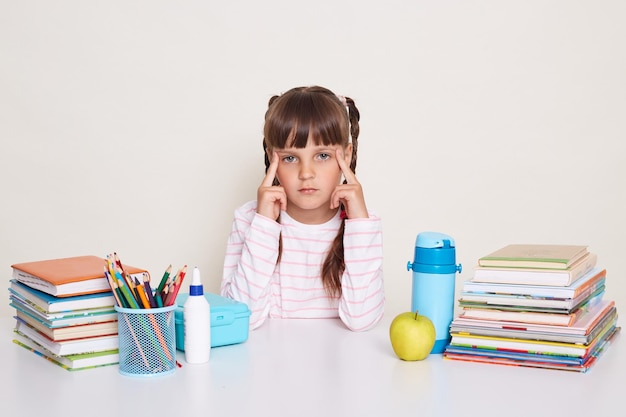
(197,322)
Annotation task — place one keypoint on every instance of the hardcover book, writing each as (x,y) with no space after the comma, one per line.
(534,256)
(526,316)
(51,304)
(64,319)
(590,279)
(522,302)
(69,332)
(583,290)
(74,362)
(583,330)
(531,346)
(555,319)
(64,277)
(72,346)
(533,359)
(537,276)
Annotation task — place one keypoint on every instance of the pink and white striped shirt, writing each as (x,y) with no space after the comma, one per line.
(293,288)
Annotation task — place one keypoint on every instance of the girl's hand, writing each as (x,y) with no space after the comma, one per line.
(271,199)
(350,194)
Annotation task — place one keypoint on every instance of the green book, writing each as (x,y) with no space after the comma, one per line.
(534,256)
(74,362)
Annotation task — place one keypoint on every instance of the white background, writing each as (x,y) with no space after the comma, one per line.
(136,126)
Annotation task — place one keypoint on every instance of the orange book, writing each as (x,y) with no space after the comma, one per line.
(64,277)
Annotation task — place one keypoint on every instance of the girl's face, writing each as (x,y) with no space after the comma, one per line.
(309,176)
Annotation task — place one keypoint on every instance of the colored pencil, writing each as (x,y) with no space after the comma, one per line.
(113,285)
(164,295)
(171,299)
(146,284)
(166,275)
(129,297)
(142,293)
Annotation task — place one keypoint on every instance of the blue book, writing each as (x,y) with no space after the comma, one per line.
(66,318)
(51,304)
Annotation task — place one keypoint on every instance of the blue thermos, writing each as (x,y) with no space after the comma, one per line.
(434,273)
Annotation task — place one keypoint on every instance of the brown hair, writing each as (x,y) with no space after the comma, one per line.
(315,112)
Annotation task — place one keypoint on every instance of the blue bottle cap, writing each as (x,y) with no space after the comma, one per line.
(435,253)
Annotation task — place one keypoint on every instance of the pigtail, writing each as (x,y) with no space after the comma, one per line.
(266,156)
(353,118)
(334,264)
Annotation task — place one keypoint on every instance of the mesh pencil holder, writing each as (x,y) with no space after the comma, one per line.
(147,341)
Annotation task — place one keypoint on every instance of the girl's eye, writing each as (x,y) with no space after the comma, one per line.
(289,158)
(324,156)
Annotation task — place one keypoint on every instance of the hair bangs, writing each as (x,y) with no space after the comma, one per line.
(295,118)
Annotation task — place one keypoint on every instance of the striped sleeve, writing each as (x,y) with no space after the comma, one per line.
(363,297)
(247,278)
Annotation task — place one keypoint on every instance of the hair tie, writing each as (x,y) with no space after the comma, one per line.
(343,100)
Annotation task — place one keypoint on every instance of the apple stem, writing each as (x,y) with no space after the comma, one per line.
(416,311)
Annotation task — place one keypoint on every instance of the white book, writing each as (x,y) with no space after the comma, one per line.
(555,291)
(535,276)
(72,362)
(69,347)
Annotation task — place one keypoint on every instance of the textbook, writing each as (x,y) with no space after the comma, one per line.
(522,302)
(74,362)
(537,276)
(72,346)
(556,319)
(69,332)
(526,316)
(534,256)
(51,304)
(64,319)
(531,346)
(586,288)
(64,277)
(583,330)
(590,279)
(533,359)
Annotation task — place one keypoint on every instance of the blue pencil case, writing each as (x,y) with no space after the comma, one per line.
(230,320)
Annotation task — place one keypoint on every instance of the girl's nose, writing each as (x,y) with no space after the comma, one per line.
(306,171)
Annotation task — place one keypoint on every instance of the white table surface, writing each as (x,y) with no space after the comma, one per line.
(312,368)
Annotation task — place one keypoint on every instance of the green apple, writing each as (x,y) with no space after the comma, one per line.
(412,336)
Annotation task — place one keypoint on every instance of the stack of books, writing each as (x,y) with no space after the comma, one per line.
(538,306)
(64,311)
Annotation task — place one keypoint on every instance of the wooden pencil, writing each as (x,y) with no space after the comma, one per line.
(146,284)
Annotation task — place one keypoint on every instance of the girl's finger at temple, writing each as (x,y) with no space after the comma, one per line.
(345,169)
(271,171)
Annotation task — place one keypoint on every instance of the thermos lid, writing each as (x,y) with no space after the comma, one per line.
(434,253)
(433,240)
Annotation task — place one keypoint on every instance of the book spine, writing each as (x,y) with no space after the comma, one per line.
(579,269)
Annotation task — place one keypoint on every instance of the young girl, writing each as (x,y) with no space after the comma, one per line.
(308,247)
